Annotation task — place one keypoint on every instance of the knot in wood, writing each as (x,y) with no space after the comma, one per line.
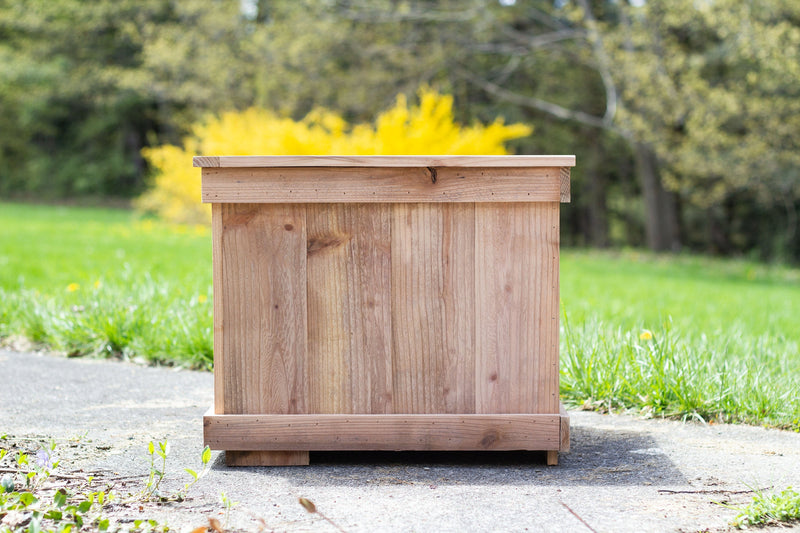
(489,438)
(432,171)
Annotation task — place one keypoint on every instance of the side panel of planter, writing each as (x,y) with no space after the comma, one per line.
(389,308)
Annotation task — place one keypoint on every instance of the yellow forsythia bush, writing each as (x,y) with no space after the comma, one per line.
(428,128)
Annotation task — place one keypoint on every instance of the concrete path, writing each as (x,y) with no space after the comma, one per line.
(624,473)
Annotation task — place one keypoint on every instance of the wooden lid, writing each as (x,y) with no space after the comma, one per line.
(403,161)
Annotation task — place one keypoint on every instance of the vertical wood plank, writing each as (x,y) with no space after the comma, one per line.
(458,298)
(552,457)
(219,330)
(349,308)
(564,177)
(432,305)
(516,253)
(564,430)
(549,254)
(264,314)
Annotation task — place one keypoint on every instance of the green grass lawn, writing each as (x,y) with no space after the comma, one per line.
(102,281)
(678,336)
(725,334)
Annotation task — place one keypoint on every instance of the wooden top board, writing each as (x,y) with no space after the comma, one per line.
(279,161)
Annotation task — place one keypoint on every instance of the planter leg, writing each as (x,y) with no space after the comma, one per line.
(552,457)
(266,458)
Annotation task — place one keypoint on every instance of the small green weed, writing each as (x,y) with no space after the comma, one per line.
(26,507)
(150,491)
(769,508)
(158,452)
(32,502)
(228,504)
(149,526)
(205,458)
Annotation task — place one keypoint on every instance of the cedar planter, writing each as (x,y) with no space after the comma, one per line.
(385,303)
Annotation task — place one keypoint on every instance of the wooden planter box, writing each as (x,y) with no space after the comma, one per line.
(385,303)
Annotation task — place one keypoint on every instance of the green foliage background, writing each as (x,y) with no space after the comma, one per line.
(684,115)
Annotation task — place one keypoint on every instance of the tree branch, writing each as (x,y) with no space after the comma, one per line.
(369,14)
(546,19)
(603,63)
(543,39)
(536,103)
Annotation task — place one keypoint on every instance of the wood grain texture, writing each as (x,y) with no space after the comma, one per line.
(381,185)
(266,458)
(382,432)
(516,253)
(564,446)
(433,328)
(386,161)
(565,185)
(263,319)
(349,308)
(219,307)
(205,161)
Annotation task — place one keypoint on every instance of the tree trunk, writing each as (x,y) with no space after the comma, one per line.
(660,208)
(597,210)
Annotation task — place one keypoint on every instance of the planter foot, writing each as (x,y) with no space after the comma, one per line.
(552,457)
(266,458)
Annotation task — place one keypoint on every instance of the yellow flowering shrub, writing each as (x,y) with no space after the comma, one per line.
(424,129)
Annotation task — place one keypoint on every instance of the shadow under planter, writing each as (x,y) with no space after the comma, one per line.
(605,457)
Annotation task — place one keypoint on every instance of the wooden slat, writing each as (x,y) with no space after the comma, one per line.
(516,254)
(381,432)
(387,161)
(381,185)
(552,457)
(565,193)
(349,308)
(263,320)
(564,446)
(432,306)
(219,329)
(205,161)
(268,458)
